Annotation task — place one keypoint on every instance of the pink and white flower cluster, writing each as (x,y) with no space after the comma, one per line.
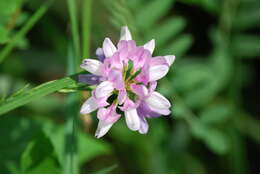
(126,78)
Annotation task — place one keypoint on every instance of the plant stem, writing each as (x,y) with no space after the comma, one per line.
(71,165)
(86,23)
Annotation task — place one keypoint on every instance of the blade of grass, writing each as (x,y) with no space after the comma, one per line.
(24,30)
(72,6)
(35,93)
(72,110)
(86,22)
(71,159)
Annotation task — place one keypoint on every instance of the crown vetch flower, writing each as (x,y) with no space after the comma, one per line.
(126,78)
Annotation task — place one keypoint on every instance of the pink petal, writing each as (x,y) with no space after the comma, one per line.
(139,90)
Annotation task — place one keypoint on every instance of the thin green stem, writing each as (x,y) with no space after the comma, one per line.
(72,6)
(86,29)
(72,109)
(71,165)
(24,30)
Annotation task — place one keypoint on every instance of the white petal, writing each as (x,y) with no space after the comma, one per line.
(125,34)
(156,100)
(108,47)
(157,72)
(102,128)
(132,119)
(143,127)
(89,106)
(161,111)
(150,46)
(99,52)
(104,89)
(169,59)
(91,65)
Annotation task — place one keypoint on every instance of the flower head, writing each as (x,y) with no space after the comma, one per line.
(126,78)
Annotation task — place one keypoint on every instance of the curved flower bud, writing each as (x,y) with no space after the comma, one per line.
(132,119)
(108,47)
(103,128)
(104,89)
(158,103)
(150,46)
(91,65)
(90,79)
(125,34)
(157,72)
(89,106)
(169,59)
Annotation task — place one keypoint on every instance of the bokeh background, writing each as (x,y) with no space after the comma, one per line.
(213,86)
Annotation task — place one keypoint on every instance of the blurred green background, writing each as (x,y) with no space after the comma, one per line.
(214,127)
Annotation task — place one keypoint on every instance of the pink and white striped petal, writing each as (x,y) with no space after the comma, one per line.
(104,89)
(91,65)
(89,106)
(103,128)
(157,101)
(157,72)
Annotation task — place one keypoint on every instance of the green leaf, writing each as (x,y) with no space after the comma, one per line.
(217,141)
(106,170)
(148,16)
(248,15)
(167,30)
(88,146)
(35,93)
(3,35)
(39,156)
(8,7)
(250,126)
(18,132)
(211,6)
(179,46)
(246,46)
(217,113)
